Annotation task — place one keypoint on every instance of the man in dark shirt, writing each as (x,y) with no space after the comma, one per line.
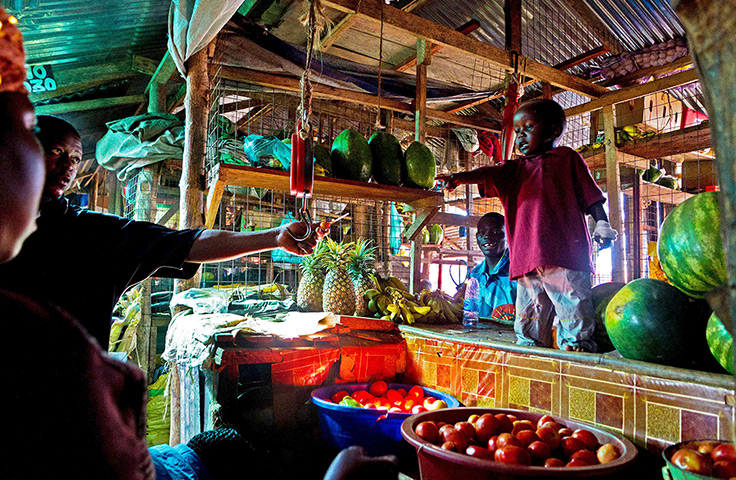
(83,261)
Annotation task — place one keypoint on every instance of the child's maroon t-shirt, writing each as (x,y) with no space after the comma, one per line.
(545,198)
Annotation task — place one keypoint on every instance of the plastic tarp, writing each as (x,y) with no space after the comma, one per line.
(193,24)
(138,141)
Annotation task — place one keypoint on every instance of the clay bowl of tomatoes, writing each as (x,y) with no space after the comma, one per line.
(486,443)
(370,414)
(700,459)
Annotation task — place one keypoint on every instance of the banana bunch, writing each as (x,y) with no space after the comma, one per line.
(443,308)
(391,300)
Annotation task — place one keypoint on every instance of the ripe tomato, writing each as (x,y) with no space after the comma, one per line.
(544,419)
(466,429)
(418,409)
(336,397)
(692,461)
(521,425)
(504,423)
(607,453)
(724,451)
(416,391)
(479,452)
(539,451)
(587,437)
(724,469)
(428,431)
(577,462)
(485,427)
(565,432)
(378,388)
(402,391)
(451,446)
(394,396)
(455,437)
(360,395)
(571,445)
(505,439)
(513,455)
(554,425)
(585,455)
(493,443)
(553,463)
(408,404)
(549,436)
(526,437)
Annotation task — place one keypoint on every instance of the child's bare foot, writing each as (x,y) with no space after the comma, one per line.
(573,348)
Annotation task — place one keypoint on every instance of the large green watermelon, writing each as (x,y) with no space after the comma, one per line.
(690,248)
(420,166)
(322,158)
(602,294)
(387,158)
(351,156)
(720,342)
(652,321)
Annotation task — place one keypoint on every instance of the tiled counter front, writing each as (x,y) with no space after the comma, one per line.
(653,411)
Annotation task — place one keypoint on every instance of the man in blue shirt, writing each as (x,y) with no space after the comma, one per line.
(497,292)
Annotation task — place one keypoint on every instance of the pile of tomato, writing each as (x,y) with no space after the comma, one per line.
(379,397)
(506,439)
(715,459)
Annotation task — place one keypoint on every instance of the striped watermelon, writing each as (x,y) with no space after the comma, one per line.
(602,294)
(720,342)
(652,321)
(690,248)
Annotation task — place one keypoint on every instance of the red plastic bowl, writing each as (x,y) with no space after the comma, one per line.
(438,464)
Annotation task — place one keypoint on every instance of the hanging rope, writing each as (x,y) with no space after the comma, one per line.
(380,60)
(315,19)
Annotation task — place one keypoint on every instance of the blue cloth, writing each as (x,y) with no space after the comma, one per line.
(497,292)
(179,462)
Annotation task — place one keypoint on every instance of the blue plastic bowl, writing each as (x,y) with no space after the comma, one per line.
(344,426)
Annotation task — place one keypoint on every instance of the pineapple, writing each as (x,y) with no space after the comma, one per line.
(360,266)
(309,291)
(338,295)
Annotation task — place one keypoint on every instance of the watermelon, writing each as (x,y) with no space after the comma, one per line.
(420,166)
(322,158)
(602,294)
(351,156)
(387,158)
(436,234)
(652,321)
(720,342)
(690,248)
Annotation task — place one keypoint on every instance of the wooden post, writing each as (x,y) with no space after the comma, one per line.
(196,104)
(711,33)
(420,101)
(613,188)
(512,23)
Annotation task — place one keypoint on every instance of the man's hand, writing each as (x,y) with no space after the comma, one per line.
(603,234)
(448,181)
(353,463)
(285,241)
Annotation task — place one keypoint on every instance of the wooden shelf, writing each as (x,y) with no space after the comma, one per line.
(242,176)
(637,153)
(658,193)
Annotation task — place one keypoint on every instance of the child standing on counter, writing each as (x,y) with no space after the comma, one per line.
(546,193)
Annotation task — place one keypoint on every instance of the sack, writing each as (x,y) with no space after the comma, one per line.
(158,419)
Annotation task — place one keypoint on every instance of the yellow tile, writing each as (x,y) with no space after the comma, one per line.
(429,373)
(470,380)
(486,402)
(519,391)
(582,404)
(663,422)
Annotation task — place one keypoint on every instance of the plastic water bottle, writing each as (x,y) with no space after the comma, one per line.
(472,303)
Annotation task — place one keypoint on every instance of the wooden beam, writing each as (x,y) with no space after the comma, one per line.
(626,94)
(449,38)
(212,205)
(144,65)
(337,31)
(456,220)
(682,62)
(78,87)
(163,73)
(613,188)
(333,93)
(512,25)
(567,64)
(420,101)
(61,108)
(411,62)
(597,25)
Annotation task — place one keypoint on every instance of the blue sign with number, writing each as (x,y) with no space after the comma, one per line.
(40,79)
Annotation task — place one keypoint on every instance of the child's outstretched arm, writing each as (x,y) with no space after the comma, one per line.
(603,233)
(453,180)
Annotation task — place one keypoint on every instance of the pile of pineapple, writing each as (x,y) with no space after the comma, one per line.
(335,278)
(340,277)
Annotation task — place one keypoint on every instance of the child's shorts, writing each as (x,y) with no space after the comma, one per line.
(554,291)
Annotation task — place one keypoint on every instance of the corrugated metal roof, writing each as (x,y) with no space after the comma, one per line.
(80,33)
